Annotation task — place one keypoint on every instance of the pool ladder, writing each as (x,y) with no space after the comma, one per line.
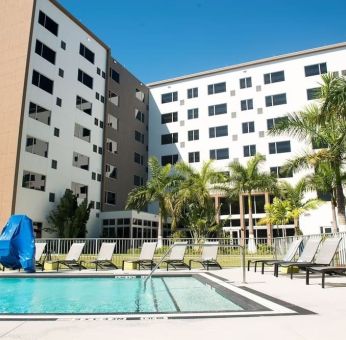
(242,254)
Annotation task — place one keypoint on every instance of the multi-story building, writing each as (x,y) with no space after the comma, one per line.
(224,114)
(70,116)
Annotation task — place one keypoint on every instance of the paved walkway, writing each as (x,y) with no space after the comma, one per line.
(329,304)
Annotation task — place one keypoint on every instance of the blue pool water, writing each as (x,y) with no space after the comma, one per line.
(110,295)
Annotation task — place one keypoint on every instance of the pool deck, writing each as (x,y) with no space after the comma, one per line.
(329,306)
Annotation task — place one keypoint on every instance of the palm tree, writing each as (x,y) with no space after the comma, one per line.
(192,200)
(295,196)
(247,179)
(157,189)
(323,181)
(321,126)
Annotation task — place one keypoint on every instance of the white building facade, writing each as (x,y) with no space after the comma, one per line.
(224,114)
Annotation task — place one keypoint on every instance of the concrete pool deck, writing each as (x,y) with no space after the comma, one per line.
(329,304)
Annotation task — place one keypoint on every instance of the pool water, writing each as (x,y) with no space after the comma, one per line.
(111,296)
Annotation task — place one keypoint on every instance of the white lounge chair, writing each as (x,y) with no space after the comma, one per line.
(146,257)
(39,256)
(209,255)
(176,256)
(72,258)
(104,257)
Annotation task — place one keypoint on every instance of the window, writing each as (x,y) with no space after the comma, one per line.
(82,132)
(111,146)
(169,97)
(98,71)
(99,177)
(112,122)
(54,164)
(219,154)
(245,82)
(97,96)
(111,171)
(192,93)
(48,23)
(80,161)
(169,138)
(140,95)
(80,190)
(95,148)
(193,135)
(45,52)
(85,79)
(279,147)
(192,114)
(113,98)
(83,105)
(139,115)
(169,117)
(248,127)
(102,99)
(280,172)
(51,197)
(110,198)
(36,146)
(138,181)
(274,77)
(313,70)
(33,180)
(274,121)
(249,150)
(63,45)
(138,158)
(100,150)
(139,137)
(313,93)
(61,73)
(114,75)
(96,122)
(56,132)
(39,113)
(218,131)
(246,104)
(194,157)
(217,88)
(42,82)
(169,159)
(86,53)
(58,101)
(276,99)
(217,109)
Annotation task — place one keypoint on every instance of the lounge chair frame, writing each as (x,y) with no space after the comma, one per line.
(330,270)
(40,247)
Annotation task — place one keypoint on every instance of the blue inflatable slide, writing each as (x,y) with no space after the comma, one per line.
(17,244)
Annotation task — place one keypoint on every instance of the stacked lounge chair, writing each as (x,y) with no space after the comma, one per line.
(40,257)
(323,257)
(209,255)
(146,257)
(291,252)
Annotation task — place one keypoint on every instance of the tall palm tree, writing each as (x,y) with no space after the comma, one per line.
(157,189)
(320,125)
(247,179)
(323,181)
(295,196)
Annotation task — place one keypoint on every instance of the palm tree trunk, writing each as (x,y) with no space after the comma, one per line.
(333,205)
(269,225)
(340,198)
(251,229)
(242,222)
(159,231)
(297,230)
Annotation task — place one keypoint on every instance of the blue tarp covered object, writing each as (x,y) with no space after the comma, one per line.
(17,244)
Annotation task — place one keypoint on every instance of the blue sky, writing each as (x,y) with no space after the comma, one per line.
(160,39)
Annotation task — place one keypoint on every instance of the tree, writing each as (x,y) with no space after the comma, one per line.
(157,189)
(324,126)
(247,179)
(69,219)
(323,181)
(294,195)
(193,204)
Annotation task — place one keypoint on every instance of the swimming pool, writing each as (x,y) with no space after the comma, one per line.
(124,295)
